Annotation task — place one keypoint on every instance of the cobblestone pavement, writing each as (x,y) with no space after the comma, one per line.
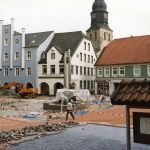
(88,137)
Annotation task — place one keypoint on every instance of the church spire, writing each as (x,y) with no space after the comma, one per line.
(99,15)
(99,31)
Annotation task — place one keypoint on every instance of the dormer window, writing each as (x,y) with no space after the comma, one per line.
(43,55)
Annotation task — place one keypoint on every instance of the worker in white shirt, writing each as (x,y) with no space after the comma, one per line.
(69,109)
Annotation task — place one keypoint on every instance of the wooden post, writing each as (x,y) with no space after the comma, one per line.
(128,138)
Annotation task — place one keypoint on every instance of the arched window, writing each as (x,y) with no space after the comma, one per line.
(95,35)
(91,36)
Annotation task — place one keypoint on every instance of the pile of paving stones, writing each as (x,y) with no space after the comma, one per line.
(34,131)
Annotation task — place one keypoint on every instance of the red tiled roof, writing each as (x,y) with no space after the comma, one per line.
(132,93)
(129,50)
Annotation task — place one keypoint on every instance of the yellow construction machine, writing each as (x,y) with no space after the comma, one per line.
(21,90)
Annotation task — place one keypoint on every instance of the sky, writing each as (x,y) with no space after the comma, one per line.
(126,17)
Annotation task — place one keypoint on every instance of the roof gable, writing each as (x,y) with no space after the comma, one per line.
(67,40)
(131,50)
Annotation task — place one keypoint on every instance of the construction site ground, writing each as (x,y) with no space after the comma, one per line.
(11,113)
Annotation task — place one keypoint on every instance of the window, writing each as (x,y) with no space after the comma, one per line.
(81,84)
(5,42)
(91,36)
(52,69)
(80,70)
(122,71)
(107,72)
(114,71)
(72,69)
(92,59)
(17,56)
(148,70)
(92,85)
(76,69)
(88,71)
(100,72)
(88,58)
(109,37)
(17,72)
(95,35)
(88,84)
(52,55)
(29,72)
(5,56)
(84,45)
(43,55)
(61,69)
(29,56)
(84,84)
(84,70)
(80,56)
(5,72)
(137,71)
(17,41)
(44,69)
(92,71)
(84,57)
(89,46)
(104,35)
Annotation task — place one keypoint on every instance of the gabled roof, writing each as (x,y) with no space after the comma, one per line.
(131,50)
(67,40)
(132,93)
(36,39)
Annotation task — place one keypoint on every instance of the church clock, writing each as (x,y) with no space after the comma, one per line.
(93,15)
(105,15)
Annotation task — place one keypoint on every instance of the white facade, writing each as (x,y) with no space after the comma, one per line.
(51,79)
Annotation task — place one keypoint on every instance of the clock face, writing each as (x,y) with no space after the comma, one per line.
(105,15)
(93,16)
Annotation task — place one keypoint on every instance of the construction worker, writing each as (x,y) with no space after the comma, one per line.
(70,109)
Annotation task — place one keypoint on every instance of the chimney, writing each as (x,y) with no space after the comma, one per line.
(1,30)
(23,51)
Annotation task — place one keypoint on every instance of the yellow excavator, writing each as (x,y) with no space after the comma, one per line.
(21,90)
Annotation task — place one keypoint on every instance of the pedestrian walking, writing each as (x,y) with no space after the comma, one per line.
(69,109)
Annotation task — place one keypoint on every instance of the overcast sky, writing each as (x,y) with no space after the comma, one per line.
(126,17)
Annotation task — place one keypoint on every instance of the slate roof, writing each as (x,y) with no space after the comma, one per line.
(17,33)
(132,93)
(131,50)
(36,39)
(67,40)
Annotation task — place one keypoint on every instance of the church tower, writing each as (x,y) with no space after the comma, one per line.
(99,32)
